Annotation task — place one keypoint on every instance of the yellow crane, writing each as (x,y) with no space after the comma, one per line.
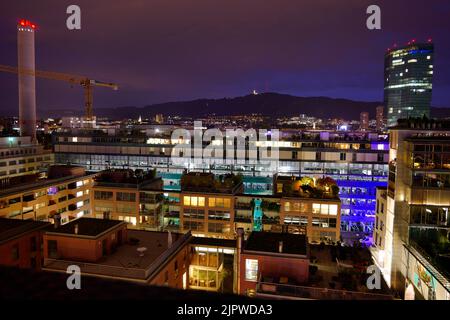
(83,81)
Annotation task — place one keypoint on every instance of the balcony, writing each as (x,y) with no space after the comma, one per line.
(271,289)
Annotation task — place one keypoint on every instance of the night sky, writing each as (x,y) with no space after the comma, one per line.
(170,50)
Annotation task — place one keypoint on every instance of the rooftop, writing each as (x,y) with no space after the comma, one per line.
(210,183)
(270,242)
(422,124)
(12,228)
(306,187)
(90,227)
(126,261)
(32,182)
(128,178)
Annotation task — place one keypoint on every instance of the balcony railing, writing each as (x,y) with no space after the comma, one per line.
(304,292)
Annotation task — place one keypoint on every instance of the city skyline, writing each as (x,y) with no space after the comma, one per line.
(230,50)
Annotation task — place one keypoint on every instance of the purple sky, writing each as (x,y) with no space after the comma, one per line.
(168,50)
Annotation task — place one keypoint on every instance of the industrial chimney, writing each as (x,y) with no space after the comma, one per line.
(27,85)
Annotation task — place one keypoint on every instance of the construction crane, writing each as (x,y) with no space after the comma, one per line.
(83,81)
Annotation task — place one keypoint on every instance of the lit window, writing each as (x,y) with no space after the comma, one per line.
(287,206)
(212,202)
(201,201)
(324,209)
(79,183)
(333,209)
(79,193)
(79,204)
(316,208)
(194,201)
(187,200)
(226,203)
(251,270)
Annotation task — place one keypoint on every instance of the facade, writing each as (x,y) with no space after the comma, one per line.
(267,259)
(19,156)
(107,249)
(364,121)
(124,195)
(207,204)
(20,243)
(379,118)
(357,161)
(408,75)
(382,234)
(418,198)
(62,196)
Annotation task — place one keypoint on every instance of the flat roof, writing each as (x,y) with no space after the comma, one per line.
(13,228)
(39,184)
(127,262)
(270,242)
(90,227)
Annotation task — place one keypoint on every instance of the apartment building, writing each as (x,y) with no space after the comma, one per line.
(418,198)
(207,204)
(20,243)
(126,195)
(18,156)
(107,249)
(62,196)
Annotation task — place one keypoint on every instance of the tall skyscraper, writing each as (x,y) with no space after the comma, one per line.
(379,118)
(364,121)
(408,75)
(27,85)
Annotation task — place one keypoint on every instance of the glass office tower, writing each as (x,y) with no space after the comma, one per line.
(408,75)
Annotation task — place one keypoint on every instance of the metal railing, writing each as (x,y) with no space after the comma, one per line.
(304,292)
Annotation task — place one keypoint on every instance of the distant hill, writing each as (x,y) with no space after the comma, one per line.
(269,104)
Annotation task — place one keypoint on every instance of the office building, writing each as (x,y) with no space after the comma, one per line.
(418,199)
(357,161)
(19,156)
(408,77)
(133,197)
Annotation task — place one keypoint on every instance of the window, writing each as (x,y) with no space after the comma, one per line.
(251,270)
(316,208)
(333,209)
(194,201)
(219,202)
(218,227)
(126,196)
(103,195)
(15,252)
(33,245)
(52,247)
